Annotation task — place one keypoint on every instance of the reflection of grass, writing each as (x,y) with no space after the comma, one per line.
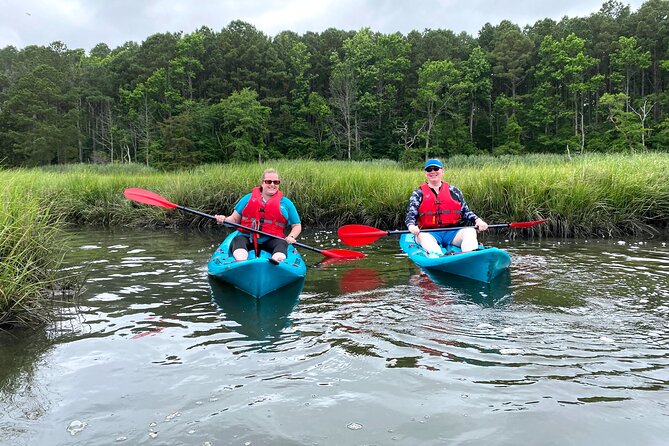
(20,355)
(595,194)
(23,397)
(30,255)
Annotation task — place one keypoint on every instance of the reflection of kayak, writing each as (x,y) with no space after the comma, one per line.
(483,264)
(257,318)
(487,294)
(255,276)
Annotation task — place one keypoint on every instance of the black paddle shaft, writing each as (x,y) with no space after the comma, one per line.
(455,228)
(235,225)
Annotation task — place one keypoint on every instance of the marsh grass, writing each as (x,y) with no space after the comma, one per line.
(604,195)
(31,252)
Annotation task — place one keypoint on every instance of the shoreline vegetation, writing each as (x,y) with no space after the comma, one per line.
(31,250)
(581,196)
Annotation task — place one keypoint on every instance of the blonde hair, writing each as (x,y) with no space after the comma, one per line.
(269,171)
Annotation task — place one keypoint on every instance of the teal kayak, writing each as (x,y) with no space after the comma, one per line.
(483,265)
(255,276)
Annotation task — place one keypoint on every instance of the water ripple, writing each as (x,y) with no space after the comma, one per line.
(370,352)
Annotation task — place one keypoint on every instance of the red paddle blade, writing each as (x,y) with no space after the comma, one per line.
(342,254)
(147,197)
(359,235)
(525,224)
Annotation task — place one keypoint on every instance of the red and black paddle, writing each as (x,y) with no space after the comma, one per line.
(359,235)
(147,197)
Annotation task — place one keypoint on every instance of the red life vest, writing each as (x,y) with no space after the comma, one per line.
(438,211)
(266,217)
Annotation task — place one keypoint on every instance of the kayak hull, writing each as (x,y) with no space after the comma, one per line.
(255,276)
(483,265)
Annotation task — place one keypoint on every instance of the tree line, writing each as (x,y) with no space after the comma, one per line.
(583,84)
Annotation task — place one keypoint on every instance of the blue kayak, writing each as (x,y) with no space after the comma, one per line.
(483,265)
(255,276)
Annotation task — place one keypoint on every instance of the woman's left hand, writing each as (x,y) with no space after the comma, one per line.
(480,225)
(290,239)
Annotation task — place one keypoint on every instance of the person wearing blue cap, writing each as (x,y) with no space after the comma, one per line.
(437,204)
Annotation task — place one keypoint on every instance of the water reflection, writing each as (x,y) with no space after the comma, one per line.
(158,354)
(360,279)
(258,319)
(437,285)
(20,399)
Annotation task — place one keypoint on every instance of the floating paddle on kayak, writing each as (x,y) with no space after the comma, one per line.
(359,235)
(147,197)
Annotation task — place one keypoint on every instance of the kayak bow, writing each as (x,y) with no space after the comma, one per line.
(483,265)
(255,276)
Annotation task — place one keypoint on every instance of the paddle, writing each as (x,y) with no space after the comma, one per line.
(359,235)
(147,197)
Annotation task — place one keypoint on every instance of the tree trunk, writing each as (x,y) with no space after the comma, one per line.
(79,143)
(147,136)
(471,122)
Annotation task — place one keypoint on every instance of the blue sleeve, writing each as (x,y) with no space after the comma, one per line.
(241,204)
(289,211)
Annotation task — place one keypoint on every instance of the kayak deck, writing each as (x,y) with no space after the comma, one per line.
(255,276)
(483,265)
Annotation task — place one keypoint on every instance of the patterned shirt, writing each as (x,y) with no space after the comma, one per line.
(417,198)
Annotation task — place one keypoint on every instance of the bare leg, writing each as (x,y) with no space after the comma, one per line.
(429,243)
(240,254)
(466,239)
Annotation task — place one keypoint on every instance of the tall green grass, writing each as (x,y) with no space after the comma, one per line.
(30,256)
(604,195)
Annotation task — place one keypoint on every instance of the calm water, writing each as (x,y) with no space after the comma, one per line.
(570,348)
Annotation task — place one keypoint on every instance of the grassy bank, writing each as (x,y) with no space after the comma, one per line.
(589,195)
(30,256)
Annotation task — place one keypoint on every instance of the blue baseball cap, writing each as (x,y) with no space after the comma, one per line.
(433,162)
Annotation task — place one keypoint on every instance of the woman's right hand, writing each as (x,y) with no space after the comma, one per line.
(220,219)
(414,229)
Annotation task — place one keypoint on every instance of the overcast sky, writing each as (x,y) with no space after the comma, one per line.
(84,23)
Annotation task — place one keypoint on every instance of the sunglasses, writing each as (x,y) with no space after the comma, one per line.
(432,169)
(277,182)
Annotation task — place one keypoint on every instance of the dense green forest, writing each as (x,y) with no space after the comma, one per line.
(583,84)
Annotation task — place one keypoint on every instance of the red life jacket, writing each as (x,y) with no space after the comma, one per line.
(266,217)
(438,211)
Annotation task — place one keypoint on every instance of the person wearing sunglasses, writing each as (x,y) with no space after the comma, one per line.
(437,204)
(267,209)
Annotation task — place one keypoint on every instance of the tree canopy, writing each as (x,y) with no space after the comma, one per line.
(585,84)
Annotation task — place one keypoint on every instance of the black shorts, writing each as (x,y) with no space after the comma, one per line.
(271,245)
